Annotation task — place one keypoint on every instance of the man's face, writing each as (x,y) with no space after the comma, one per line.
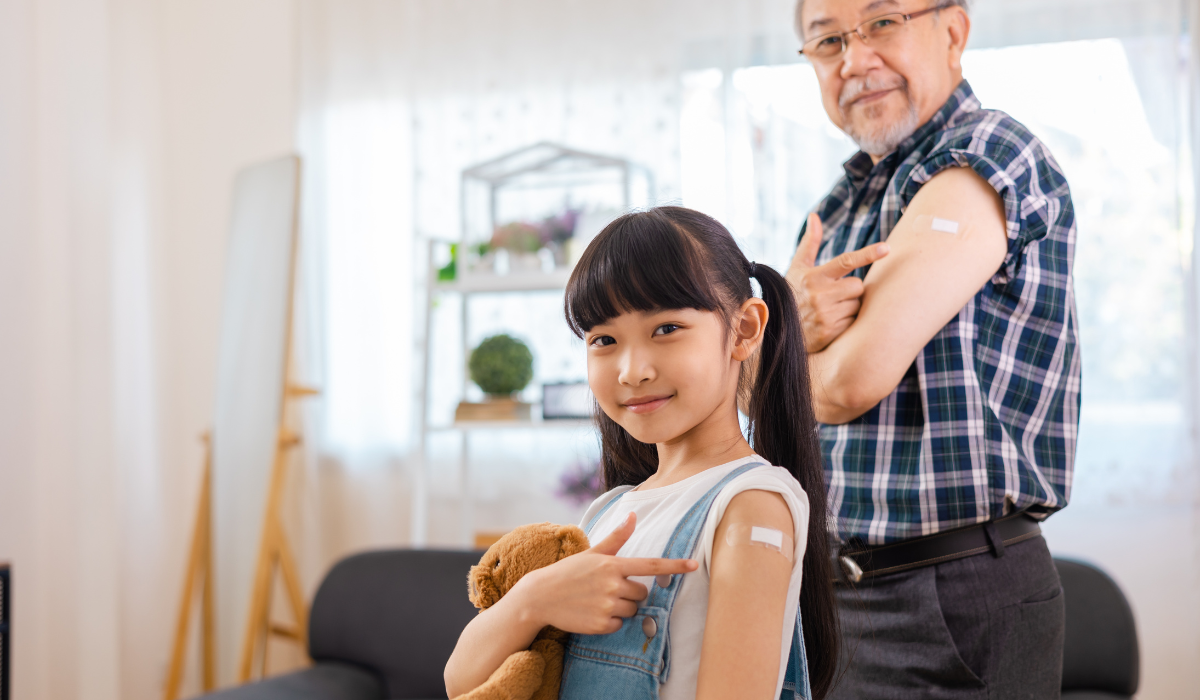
(880,93)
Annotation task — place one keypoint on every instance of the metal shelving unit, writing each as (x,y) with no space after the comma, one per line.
(542,165)
(466,287)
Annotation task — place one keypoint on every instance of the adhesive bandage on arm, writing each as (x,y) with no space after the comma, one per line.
(936,224)
(747,535)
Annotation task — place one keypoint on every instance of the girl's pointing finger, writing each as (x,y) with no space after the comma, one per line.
(653,567)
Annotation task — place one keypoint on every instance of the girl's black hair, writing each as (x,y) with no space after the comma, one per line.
(677,258)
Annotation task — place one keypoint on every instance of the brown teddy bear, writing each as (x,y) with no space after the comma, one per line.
(534,674)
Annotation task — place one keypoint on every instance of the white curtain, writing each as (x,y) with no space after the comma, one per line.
(79,479)
(122,123)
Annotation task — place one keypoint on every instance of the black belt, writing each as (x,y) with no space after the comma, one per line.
(855,563)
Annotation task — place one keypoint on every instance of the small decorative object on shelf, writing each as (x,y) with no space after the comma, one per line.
(517,237)
(523,246)
(566,400)
(449,271)
(501,366)
(581,483)
(493,409)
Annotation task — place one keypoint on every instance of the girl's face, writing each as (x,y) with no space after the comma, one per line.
(660,374)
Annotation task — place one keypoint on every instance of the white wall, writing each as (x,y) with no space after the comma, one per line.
(121,125)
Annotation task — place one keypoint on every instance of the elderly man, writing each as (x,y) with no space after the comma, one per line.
(934,284)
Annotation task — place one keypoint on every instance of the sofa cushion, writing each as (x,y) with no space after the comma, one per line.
(397,611)
(324,681)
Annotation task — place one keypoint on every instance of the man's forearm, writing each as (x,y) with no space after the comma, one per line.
(829,400)
(840,393)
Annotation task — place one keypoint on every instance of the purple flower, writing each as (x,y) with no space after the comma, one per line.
(561,227)
(581,482)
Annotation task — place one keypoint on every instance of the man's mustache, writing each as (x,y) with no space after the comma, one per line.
(857,87)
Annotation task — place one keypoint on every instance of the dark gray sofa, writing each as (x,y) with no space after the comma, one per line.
(384,623)
(1100,654)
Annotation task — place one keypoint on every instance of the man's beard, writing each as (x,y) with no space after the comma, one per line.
(879,139)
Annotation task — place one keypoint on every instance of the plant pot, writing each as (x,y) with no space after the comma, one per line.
(494,408)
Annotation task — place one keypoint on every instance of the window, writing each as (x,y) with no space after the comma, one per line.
(762,153)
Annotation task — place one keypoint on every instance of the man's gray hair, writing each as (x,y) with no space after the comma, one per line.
(964,4)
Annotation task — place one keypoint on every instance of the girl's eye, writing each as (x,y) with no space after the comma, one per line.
(666,328)
(601,341)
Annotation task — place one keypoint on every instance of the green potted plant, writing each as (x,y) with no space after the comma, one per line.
(501,366)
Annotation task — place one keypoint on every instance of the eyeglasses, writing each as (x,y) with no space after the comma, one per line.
(878,31)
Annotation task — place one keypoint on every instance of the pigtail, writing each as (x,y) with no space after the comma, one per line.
(783,429)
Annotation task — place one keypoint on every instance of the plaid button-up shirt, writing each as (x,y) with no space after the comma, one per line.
(985,420)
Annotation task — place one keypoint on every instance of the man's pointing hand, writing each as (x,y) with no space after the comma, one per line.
(828,300)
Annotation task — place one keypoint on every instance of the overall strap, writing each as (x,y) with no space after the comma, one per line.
(683,540)
(587,529)
(687,533)
(636,660)
(795,680)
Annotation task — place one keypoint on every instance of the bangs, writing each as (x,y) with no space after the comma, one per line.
(642,261)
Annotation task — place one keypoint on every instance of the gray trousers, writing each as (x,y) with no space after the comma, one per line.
(979,627)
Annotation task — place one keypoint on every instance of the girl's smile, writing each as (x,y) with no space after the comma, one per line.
(646,404)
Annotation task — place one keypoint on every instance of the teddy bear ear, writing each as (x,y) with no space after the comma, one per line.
(571,540)
(480,588)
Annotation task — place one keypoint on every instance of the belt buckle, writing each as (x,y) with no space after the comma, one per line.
(850,568)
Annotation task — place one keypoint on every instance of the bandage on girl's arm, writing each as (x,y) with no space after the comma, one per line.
(764,536)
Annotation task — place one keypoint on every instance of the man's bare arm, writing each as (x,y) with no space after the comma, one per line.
(911,294)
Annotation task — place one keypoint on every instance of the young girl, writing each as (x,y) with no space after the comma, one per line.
(705,598)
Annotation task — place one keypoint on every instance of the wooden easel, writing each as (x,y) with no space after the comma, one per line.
(199,569)
(274,552)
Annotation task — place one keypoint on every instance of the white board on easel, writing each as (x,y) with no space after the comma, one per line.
(251,383)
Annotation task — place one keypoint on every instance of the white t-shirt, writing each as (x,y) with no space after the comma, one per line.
(659,512)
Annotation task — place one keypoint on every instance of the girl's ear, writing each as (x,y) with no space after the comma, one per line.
(749,327)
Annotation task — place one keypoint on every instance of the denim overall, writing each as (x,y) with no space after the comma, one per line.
(636,659)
